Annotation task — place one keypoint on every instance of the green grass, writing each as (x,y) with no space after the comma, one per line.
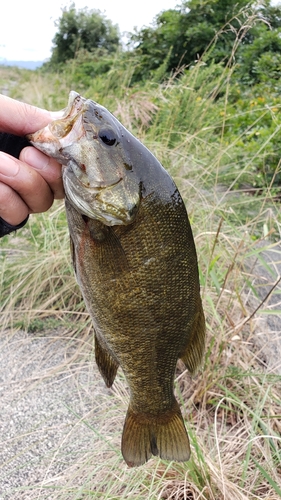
(232,409)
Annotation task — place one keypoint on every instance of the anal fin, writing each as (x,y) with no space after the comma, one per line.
(106,364)
(194,352)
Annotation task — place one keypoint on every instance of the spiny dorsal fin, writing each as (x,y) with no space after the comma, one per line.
(106,364)
(193,354)
(164,435)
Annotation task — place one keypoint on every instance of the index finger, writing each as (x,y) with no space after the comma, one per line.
(47,167)
(20,118)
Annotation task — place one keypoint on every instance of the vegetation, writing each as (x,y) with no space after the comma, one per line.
(210,31)
(217,133)
(235,45)
(83,30)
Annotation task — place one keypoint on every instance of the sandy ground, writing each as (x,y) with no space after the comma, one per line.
(52,404)
(267,321)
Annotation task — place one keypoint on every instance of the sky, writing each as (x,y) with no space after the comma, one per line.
(27,28)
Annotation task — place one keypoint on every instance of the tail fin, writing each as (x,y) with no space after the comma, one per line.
(145,435)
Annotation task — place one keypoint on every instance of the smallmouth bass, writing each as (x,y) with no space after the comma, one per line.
(135,261)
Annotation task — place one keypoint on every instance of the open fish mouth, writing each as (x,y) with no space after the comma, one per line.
(67,123)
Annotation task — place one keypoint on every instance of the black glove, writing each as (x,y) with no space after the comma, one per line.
(11,144)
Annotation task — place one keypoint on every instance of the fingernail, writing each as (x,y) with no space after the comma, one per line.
(8,165)
(35,158)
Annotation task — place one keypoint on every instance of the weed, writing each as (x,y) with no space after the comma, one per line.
(232,408)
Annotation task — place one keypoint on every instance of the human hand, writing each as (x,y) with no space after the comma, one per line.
(31,183)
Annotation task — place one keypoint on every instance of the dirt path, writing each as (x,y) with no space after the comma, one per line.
(52,405)
(264,274)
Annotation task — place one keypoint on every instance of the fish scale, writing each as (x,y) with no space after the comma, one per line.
(135,262)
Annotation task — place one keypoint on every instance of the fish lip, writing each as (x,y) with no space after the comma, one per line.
(118,217)
(74,107)
(108,219)
(75,104)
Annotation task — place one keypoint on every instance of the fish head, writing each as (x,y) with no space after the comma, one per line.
(99,179)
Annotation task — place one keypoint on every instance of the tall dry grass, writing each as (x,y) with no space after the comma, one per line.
(232,409)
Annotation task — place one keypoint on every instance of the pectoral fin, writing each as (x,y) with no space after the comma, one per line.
(194,352)
(107,246)
(72,253)
(106,364)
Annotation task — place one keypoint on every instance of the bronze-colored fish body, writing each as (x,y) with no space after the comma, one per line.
(135,262)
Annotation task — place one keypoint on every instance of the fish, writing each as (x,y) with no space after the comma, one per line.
(135,261)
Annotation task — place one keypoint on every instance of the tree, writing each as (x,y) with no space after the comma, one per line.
(260,61)
(180,36)
(82,29)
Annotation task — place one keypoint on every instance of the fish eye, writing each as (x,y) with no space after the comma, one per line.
(108,137)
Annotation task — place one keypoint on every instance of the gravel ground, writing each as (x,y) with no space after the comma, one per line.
(45,391)
(267,334)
